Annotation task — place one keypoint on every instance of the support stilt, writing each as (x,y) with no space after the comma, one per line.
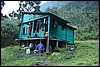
(57,44)
(66,44)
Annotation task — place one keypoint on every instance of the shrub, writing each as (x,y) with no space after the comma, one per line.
(9,32)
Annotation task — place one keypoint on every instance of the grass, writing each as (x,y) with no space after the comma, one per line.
(85,54)
(10,57)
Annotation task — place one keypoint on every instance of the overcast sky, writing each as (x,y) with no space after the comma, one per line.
(12,5)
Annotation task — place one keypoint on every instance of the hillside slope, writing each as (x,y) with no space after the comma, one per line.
(52,4)
(82,14)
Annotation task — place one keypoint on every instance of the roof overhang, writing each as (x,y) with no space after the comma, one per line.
(71,27)
(47,13)
(52,17)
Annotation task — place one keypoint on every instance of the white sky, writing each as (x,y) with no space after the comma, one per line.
(12,5)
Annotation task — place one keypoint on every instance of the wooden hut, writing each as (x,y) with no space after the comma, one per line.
(48,27)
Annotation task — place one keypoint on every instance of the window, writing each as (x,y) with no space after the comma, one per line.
(24,30)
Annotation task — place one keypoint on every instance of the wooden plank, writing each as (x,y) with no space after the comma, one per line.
(39,39)
(32,29)
(47,47)
(35,19)
(30,38)
(70,35)
(19,44)
(66,44)
(57,44)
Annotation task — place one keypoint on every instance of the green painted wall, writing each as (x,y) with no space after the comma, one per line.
(21,35)
(57,32)
(41,33)
(70,35)
(27,18)
(30,17)
(53,31)
(66,34)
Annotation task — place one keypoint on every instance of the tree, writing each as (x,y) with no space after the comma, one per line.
(52,10)
(2,5)
(8,32)
(26,6)
(83,14)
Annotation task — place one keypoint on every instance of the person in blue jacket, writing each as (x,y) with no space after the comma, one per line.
(40,47)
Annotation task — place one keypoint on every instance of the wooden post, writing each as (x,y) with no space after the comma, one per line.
(19,44)
(66,44)
(21,21)
(32,29)
(57,44)
(47,47)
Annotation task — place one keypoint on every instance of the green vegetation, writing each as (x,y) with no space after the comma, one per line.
(82,14)
(9,32)
(85,54)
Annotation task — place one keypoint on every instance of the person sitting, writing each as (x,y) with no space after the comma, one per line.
(40,47)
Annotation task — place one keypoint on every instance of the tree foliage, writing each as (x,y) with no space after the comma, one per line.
(84,15)
(9,32)
(25,6)
(2,5)
(9,27)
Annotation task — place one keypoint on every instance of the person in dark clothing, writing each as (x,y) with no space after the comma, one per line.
(50,48)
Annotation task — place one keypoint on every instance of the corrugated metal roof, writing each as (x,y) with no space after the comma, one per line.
(51,15)
(47,13)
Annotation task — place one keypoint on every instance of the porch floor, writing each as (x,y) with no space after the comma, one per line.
(31,39)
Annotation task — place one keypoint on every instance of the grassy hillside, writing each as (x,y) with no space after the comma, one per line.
(85,54)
